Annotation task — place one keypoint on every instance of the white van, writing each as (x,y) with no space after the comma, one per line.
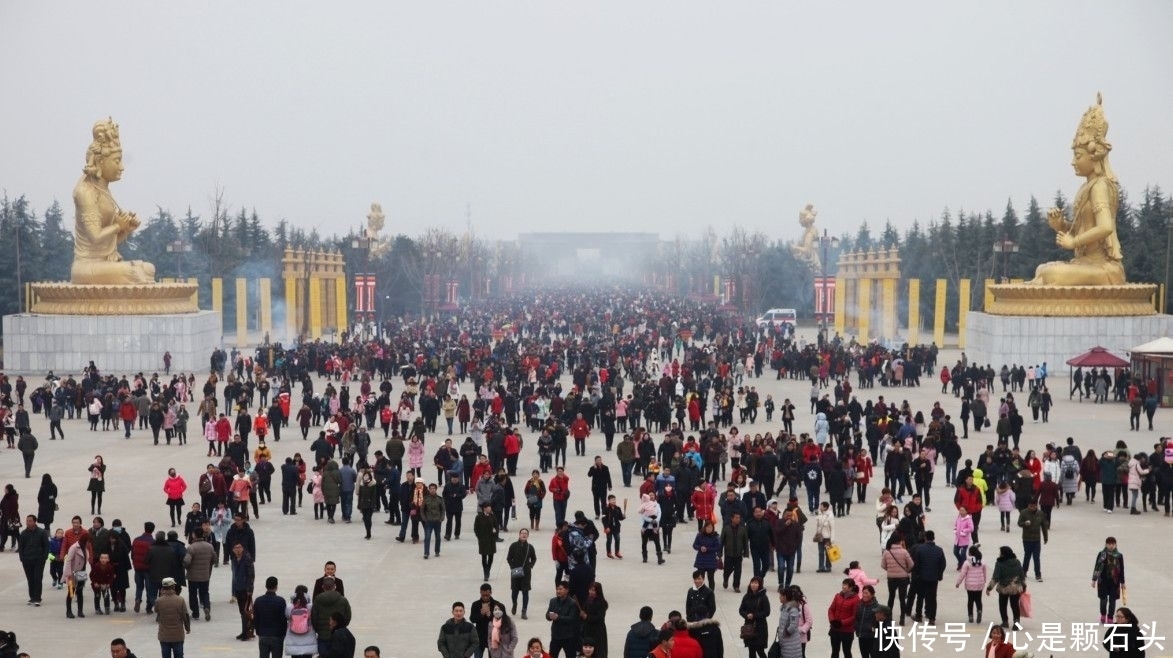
(778,316)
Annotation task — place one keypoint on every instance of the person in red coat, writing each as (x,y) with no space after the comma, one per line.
(580,431)
(128,414)
(704,499)
(684,644)
(841,615)
(997,646)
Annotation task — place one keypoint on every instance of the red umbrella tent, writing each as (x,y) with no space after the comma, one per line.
(1097,357)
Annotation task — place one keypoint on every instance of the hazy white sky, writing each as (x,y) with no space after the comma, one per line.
(650,115)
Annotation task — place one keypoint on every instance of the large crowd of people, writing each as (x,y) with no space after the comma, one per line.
(667,389)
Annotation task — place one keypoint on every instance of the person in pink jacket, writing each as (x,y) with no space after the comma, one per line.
(973,574)
(856,573)
(1004,498)
(962,535)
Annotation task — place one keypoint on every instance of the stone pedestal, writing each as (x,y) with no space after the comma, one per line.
(35,344)
(1011,339)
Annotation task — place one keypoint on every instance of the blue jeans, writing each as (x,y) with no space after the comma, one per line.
(347,504)
(128,424)
(1032,548)
(559,512)
(171,649)
(812,498)
(626,469)
(824,563)
(431,529)
(960,552)
(760,561)
(785,568)
(140,584)
(152,592)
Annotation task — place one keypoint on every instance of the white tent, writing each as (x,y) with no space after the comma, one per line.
(1158,346)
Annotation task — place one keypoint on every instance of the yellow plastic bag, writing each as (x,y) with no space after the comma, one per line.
(833,553)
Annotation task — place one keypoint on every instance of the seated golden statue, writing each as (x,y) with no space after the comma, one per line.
(1091,234)
(101,224)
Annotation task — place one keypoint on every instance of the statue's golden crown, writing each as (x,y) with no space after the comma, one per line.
(106,135)
(1093,127)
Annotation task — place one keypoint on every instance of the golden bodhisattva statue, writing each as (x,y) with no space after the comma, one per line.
(100,282)
(1092,282)
(101,224)
(1091,234)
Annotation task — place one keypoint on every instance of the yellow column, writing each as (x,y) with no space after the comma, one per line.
(939,313)
(218,296)
(864,311)
(340,302)
(195,296)
(315,297)
(913,311)
(241,311)
(291,326)
(888,308)
(265,293)
(988,296)
(840,305)
(962,311)
(717,285)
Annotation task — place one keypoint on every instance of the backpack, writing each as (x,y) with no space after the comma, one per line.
(1070,470)
(577,545)
(299,621)
(205,485)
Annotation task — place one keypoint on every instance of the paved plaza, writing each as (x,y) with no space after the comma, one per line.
(400,600)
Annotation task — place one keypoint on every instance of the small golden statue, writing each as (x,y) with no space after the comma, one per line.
(101,224)
(806,251)
(1091,234)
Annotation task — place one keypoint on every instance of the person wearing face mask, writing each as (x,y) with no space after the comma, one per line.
(502,634)
(174,487)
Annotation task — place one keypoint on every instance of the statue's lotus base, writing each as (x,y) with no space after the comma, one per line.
(1020,299)
(124,299)
(119,344)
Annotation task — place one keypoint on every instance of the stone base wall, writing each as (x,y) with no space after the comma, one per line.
(1022,340)
(35,344)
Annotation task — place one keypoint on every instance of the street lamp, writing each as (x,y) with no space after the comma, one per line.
(179,247)
(826,242)
(1005,247)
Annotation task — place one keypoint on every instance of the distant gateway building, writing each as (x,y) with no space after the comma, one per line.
(625,255)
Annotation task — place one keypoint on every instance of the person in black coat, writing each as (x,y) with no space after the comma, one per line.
(290,480)
(928,569)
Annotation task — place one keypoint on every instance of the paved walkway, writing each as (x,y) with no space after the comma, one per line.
(400,600)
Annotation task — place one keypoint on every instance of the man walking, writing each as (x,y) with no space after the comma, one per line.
(33,549)
(325,605)
(600,477)
(199,561)
(458,637)
(269,621)
(171,616)
(1034,526)
(243,579)
(928,569)
(27,445)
